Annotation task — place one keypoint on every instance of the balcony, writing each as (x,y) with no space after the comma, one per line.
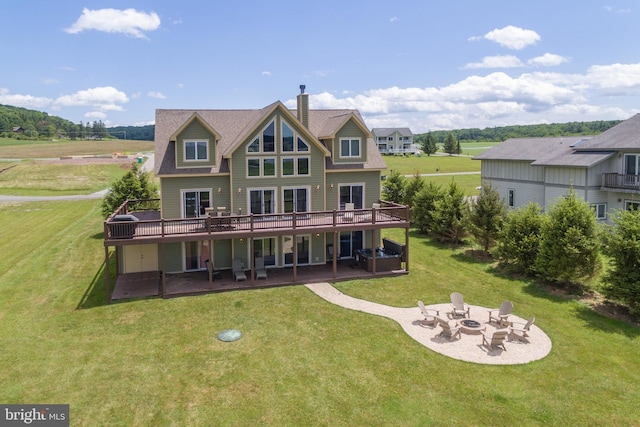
(622,183)
(145,226)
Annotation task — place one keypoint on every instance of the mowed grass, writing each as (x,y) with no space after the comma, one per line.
(301,361)
(14,149)
(30,178)
(437,164)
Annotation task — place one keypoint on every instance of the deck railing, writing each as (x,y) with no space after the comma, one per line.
(621,181)
(387,215)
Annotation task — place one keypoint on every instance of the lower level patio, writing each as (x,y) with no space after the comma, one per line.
(149,284)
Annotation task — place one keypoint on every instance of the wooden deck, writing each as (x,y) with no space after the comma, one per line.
(244,226)
(149,284)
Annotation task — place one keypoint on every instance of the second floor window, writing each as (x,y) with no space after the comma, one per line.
(195,150)
(260,167)
(292,142)
(295,166)
(350,147)
(265,142)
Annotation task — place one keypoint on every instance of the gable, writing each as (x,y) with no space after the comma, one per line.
(195,144)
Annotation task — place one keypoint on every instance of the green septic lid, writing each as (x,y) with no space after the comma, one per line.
(229,335)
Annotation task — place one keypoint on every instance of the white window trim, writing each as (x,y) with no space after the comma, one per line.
(261,142)
(263,189)
(194,190)
(595,206)
(194,141)
(353,184)
(297,187)
(628,202)
(295,165)
(350,156)
(511,194)
(261,174)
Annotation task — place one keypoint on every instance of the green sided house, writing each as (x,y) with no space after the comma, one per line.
(257,198)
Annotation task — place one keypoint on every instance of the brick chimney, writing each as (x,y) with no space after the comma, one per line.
(303,107)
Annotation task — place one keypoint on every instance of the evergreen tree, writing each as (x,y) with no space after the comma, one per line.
(412,187)
(519,239)
(424,205)
(622,245)
(429,145)
(394,188)
(135,184)
(569,249)
(448,215)
(450,144)
(485,217)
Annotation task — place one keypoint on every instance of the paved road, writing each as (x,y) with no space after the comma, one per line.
(146,166)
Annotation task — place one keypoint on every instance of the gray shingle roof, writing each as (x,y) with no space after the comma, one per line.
(388,131)
(561,151)
(233,125)
(625,136)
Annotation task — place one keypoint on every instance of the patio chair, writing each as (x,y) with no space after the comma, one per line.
(494,340)
(520,333)
(238,272)
(348,211)
(458,307)
(501,315)
(215,274)
(447,330)
(430,319)
(261,272)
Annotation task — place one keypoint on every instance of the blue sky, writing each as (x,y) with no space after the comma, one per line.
(428,65)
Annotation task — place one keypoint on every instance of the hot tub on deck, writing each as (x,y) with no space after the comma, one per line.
(388,258)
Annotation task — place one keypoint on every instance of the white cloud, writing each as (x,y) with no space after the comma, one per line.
(266,73)
(50,81)
(24,101)
(511,37)
(393,19)
(547,60)
(157,95)
(96,115)
(495,99)
(498,61)
(103,98)
(129,21)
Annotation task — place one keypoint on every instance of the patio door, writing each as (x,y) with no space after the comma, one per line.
(295,200)
(631,169)
(265,248)
(349,243)
(351,193)
(262,201)
(302,250)
(194,203)
(195,255)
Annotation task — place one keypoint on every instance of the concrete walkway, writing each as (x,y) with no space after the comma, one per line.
(468,348)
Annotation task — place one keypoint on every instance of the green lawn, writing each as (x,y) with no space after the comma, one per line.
(430,164)
(301,361)
(14,149)
(40,179)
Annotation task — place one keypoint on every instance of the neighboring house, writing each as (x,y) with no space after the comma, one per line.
(604,169)
(18,129)
(293,188)
(394,141)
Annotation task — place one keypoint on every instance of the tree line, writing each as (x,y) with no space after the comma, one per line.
(525,131)
(564,245)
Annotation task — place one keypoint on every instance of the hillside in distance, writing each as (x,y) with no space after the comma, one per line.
(41,125)
(524,131)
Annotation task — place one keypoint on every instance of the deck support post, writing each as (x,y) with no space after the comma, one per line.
(107,275)
(295,258)
(373,251)
(164,269)
(335,254)
(406,249)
